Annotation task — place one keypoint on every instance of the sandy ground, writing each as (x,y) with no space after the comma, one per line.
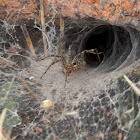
(92,83)
(68,101)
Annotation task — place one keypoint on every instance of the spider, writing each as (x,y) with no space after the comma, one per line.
(71,65)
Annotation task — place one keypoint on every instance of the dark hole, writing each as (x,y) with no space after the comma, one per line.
(112,42)
(100,39)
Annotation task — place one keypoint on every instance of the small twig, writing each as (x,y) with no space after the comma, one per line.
(43,26)
(134,70)
(29,89)
(2,117)
(60,46)
(61,25)
(8,135)
(137,91)
(28,39)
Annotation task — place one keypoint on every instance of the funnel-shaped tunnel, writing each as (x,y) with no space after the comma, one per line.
(112,44)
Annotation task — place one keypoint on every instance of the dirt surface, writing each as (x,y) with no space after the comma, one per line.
(26,11)
(86,108)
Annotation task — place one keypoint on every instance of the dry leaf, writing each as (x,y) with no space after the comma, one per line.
(134,70)
(113,133)
(38,130)
(26,120)
(120,136)
(3,62)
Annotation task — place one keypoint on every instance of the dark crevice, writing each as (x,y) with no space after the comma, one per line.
(116,44)
(100,39)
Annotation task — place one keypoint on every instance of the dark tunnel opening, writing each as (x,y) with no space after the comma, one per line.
(100,39)
(113,43)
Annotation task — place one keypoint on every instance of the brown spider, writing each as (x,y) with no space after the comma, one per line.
(71,65)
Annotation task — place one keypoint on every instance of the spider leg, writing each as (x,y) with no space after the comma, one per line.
(98,55)
(49,67)
(94,51)
(66,76)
